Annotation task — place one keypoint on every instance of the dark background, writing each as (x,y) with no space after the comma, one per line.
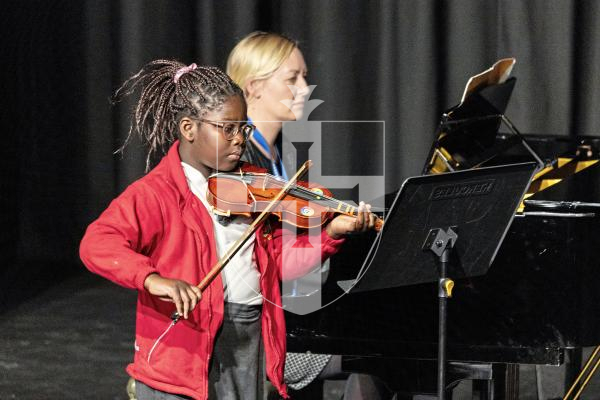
(402,62)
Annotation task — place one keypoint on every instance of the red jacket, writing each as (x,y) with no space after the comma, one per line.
(158,225)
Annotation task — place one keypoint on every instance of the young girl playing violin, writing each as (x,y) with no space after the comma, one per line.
(160,237)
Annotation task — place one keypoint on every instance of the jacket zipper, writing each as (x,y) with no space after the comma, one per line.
(273,348)
(209,342)
(266,232)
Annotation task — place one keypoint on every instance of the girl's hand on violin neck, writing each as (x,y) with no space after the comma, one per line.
(184,295)
(344,224)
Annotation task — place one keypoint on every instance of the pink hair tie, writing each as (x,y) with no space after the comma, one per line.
(184,70)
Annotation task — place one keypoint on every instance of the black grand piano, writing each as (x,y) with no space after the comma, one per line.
(538,304)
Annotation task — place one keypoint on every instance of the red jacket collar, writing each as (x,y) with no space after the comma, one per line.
(176,171)
(190,205)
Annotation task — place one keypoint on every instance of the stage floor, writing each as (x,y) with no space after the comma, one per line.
(73,341)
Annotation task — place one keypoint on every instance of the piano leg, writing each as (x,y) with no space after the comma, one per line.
(554,381)
(573,363)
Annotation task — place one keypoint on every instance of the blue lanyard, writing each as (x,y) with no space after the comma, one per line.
(276,165)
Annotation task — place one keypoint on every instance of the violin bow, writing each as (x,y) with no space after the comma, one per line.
(218,267)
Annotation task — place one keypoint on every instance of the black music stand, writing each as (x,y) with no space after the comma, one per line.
(462,217)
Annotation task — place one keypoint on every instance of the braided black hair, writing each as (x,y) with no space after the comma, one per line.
(164,100)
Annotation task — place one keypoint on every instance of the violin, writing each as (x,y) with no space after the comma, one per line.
(304,205)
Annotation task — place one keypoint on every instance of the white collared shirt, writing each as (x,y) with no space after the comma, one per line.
(241,279)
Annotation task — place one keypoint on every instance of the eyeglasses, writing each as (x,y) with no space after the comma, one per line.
(231,130)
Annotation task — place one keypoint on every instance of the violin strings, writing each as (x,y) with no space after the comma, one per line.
(279,183)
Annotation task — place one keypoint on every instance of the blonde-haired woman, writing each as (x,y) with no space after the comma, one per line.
(265,65)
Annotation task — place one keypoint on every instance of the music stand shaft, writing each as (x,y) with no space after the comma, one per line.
(442,319)
(441,241)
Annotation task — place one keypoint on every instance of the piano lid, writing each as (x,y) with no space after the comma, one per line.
(466,133)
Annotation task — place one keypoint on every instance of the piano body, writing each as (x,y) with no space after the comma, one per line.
(538,303)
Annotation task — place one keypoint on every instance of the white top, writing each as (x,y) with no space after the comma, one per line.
(240,276)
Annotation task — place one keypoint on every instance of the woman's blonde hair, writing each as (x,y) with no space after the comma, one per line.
(258,56)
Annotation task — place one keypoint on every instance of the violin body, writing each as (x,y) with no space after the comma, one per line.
(304,206)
